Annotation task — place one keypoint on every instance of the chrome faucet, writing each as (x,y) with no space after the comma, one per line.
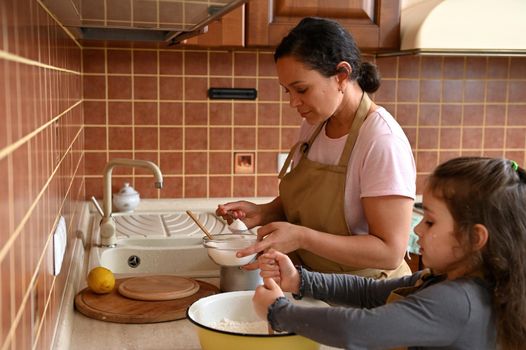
(107,224)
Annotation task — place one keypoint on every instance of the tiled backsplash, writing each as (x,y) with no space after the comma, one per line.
(452,106)
(152,104)
(41,168)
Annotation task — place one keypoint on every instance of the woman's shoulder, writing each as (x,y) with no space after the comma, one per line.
(380,127)
(382,122)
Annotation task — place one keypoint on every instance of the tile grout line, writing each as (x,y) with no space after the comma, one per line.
(37,335)
(3,252)
(19,59)
(66,30)
(183,133)
(254,160)
(106,104)
(209,130)
(158,60)
(15,145)
(16,231)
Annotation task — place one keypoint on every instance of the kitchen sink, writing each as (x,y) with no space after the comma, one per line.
(158,243)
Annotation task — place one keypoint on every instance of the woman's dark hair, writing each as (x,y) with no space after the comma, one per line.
(321,44)
(492,192)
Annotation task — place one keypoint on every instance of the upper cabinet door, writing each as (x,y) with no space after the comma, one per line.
(374,24)
(228,31)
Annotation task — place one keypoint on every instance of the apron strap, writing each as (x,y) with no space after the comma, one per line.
(305,146)
(288,160)
(359,118)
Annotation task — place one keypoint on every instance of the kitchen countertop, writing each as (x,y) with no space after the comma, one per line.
(76,331)
(91,334)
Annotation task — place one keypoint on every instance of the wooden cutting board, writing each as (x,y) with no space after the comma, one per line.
(114,307)
(155,288)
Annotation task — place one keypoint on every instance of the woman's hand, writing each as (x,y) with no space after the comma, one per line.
(264,296)
(281,236)
(250,213)
(279,267)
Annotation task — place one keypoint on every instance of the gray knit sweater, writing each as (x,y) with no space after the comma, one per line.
(441,315)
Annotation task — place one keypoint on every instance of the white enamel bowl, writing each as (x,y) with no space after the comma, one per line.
(207,312)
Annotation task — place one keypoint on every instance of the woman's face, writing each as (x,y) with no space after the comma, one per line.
(314,96)
(440,249)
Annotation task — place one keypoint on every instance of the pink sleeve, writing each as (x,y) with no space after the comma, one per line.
(388,168)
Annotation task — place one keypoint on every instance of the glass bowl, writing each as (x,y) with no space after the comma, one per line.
(222,248)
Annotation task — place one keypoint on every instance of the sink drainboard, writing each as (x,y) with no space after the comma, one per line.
(159,243)
(166,225)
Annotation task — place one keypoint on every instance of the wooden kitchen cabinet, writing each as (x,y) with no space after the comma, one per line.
(228,31)
(374,24)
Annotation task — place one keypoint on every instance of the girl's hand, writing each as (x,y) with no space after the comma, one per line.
(279,267)
(264,296)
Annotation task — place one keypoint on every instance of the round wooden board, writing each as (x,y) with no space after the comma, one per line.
(113,307)
(153,288)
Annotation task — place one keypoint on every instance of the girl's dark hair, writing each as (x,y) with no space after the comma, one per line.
(492,192)
(321,44)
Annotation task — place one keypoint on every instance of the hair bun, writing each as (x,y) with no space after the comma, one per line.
(369,77)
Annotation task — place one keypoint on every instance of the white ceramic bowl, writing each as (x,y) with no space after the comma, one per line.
(223,247)
(207,313)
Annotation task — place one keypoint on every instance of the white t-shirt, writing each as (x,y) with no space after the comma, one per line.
(381,163)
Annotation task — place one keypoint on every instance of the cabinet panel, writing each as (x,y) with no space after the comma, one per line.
(375,24)
(228,31)
(355,9)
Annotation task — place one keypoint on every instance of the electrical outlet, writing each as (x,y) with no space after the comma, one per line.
(60,239)
(282,157)
(244,163)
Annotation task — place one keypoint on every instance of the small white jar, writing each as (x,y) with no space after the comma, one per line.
(127,199)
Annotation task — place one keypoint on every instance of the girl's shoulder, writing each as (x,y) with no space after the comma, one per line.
(472,290)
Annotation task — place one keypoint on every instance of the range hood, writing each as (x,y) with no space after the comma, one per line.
(463,27)
(168,21)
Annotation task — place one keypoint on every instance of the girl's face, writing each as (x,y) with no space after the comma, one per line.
(440,249)
(314,96)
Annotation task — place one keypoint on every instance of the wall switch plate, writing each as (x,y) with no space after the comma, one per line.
(60,239)
(282,157)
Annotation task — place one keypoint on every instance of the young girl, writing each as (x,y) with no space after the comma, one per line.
(473,240)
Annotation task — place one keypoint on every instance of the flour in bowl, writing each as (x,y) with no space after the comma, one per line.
(254,327)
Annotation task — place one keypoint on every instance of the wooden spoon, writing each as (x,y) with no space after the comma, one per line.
(199,224)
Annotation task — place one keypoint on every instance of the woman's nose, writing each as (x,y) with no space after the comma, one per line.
(295,101)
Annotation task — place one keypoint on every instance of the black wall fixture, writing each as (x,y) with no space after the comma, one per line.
(232,94)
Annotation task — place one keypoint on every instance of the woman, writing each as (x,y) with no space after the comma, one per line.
(346,204)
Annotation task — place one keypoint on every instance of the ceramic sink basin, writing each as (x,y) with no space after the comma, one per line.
(158,243)
(188,260)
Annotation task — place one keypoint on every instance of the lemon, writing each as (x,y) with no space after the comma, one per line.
(101,280)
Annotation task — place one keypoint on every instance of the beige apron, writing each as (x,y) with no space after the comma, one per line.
(403,292)
(312,195)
